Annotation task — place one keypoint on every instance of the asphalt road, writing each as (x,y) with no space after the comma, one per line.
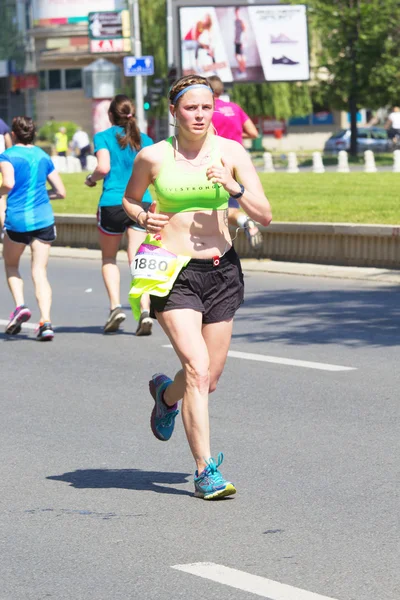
(93,507)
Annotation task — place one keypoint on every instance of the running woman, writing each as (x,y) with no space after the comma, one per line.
(29,220)
(116,149)
(194,174)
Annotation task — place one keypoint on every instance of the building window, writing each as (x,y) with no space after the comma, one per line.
(43,80)
(54,79)
(73,79)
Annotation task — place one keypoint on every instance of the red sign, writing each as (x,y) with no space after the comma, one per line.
(109,46)
(271,126)
(24,82)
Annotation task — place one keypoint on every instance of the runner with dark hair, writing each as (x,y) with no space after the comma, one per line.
(29,220)
(116,149)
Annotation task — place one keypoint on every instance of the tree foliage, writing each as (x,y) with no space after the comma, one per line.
(279,100)
(11,40)
(357,43)
(153,18)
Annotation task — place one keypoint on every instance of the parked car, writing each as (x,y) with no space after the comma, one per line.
(368,138)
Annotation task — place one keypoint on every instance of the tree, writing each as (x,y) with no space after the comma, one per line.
(11,40)
(153,33)
(356,46)
(280,100)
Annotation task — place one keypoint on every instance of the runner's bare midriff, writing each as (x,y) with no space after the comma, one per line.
(200,234)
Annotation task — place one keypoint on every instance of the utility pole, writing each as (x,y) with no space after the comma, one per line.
(136,45)
(170,54)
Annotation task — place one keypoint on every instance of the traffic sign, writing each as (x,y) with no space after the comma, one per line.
(138,65)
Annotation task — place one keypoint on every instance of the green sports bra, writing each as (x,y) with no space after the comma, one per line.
(180,191)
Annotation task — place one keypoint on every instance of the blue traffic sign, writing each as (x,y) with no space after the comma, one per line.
(138,65)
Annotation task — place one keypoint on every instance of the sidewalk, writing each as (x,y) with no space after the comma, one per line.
(389,276)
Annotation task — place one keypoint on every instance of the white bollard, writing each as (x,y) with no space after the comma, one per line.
(73,164)
(396,161)
(60,163)
(318,165)
(91,162)
(292,163)
(268,163)
(343,162)
(369,162)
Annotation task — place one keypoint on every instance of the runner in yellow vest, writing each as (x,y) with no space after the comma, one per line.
(61,139)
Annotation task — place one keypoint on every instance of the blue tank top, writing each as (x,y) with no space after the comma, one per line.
(28,204)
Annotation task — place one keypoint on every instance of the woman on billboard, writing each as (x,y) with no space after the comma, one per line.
(199,37)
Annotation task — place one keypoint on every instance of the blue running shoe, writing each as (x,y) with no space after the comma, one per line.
(162,420)
(210,485)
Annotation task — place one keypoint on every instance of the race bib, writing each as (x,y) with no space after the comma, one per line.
(153,263)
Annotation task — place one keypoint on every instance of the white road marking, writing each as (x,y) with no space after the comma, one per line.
(260,586)
(284,361)
(24,325)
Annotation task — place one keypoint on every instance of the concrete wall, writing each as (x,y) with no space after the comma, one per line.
(64,105)
(324,243)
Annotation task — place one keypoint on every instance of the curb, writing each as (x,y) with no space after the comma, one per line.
(389,276)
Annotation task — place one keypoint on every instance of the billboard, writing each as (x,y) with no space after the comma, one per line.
(50,10)
(111,24)
(245,43)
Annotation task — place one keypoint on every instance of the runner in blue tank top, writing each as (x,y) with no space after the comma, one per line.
(116,149)
(29,220)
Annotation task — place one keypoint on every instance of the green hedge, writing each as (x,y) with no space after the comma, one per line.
(48,131)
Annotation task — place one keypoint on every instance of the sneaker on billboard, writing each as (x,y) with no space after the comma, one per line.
(210,485)
(284,60)
(162,420)
(282,38)
(20,315)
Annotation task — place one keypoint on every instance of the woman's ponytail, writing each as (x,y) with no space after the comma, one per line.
(122,110)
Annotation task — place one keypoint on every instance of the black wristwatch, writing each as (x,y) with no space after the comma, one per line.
(240,194)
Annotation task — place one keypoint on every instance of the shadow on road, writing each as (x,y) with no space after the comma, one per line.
(97,329)
(127,479)
(353,318)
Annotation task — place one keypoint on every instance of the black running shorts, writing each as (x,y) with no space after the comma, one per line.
(238,48)
(215,291)
(46,234)
(113,220)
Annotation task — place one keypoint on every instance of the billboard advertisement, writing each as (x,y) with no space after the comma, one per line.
(50,10)
(245,43)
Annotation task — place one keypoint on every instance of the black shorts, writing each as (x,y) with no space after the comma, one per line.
(113,220)
(238,49)
(392,133)
(46,234)
(217,292)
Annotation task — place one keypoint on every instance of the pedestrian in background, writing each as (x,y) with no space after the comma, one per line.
(393,124)
(80,142)
(5,138)
(61,142)
(116,149)
(29,221)
(232,123)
